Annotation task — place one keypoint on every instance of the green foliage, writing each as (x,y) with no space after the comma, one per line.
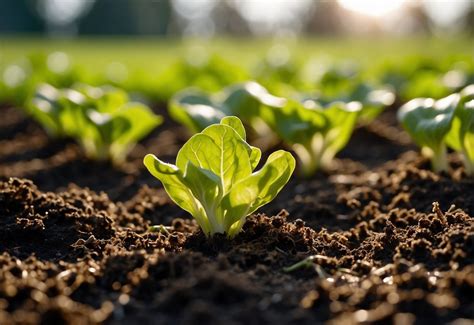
(203,71)
(461,135)
(20,80)
(316,133)
(373,99)
(197,110)
(428,122)
(102,120)
(214,178)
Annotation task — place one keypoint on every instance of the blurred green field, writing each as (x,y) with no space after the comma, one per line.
(153,54)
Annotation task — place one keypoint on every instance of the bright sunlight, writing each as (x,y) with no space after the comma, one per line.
(375,8)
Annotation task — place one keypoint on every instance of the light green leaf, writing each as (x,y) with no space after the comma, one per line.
(195,110)
(232,157)
(461,135)
(259,188)
(206,188)
(428,121)
(236,124)
(255,155)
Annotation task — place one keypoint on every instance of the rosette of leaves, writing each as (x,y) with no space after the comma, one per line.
(215,180)
(197,110)
(373,99)
(315,132)
(101,120)
(428,122)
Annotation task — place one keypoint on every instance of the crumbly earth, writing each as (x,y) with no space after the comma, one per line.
(378,238)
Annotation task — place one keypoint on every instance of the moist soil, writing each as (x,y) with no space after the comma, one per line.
(379,238)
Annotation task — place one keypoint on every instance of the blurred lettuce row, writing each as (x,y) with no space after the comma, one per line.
(281,73)
(421,76)
(19,80)
(101,119)
(437,124)
(316,130)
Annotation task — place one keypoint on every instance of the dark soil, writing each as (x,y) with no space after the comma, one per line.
(377,239)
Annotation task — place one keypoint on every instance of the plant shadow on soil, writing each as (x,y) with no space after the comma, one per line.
(381,251)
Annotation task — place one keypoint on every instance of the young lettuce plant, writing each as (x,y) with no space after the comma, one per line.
(197,110)
(373,99)
(461,135)
(111,135)
(57,110)
(101,120)
(214,178)
(428,122)
(316,133)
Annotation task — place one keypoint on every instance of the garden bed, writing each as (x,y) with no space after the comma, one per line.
(76,247)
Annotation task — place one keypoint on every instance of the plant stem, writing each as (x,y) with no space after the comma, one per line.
(439,161)
(311,155)
(468,163)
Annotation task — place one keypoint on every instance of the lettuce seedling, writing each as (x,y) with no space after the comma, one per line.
(461,135)
(316,133)
(197,110)
(374,100)
(428,121)
(111,136)
(214,178)
(101,120)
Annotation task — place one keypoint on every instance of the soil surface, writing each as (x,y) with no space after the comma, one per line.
(377,239)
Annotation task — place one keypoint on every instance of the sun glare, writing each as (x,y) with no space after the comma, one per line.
(375,8)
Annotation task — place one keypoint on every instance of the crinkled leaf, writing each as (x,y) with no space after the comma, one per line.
(342,119)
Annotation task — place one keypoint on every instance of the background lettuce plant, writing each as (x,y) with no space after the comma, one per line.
(214,178)
(197,110)
(461,135)
(101,120)
(315,132)
(428,122)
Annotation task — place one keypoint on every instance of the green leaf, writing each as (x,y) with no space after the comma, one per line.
(255,155)
(173,181)
(342,119)
(428,123)
(259,188)
(206,188)
(236,124)
(233,155)
(461,135)
(195,110)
